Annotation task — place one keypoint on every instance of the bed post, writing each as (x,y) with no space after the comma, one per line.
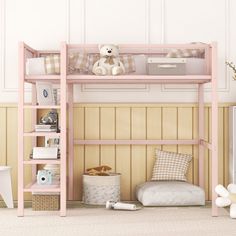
(214,127)
(63,129)
(34,122)
(71,143)
(21,130)
(201,126)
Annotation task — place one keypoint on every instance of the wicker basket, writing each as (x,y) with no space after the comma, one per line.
(99,189)
(41,202)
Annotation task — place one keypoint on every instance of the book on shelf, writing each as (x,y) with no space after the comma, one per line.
(31,157)
(42,153)
(45,128)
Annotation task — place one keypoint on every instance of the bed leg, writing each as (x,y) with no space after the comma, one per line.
(201,125)
(214,129)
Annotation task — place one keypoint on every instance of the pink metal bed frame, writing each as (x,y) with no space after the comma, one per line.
(66,85)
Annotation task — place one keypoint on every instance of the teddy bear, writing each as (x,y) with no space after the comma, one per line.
(227,198)
(109,62)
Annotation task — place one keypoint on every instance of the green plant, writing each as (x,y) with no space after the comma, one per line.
(231,65)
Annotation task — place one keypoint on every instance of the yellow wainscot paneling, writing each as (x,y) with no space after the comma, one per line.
(225,126)
(154,131)
(221,145)
(220,149)
(195,147)
(3,136)
(78,152)
(123,152)
(107,129)
(138,153)
(185,131)
(12,146)
(169,126)
(124,121)
(92,123)
(27,150)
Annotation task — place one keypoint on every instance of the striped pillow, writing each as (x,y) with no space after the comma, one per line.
(170,166)
(128,62)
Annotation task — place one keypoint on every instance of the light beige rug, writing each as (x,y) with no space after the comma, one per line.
(152,221)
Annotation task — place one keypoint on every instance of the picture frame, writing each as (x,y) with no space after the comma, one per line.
(44,91)
(52,142)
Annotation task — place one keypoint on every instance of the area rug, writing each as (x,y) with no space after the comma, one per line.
(150,221)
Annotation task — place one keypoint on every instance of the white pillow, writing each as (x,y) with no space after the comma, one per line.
(170,193)
(35,66)
(195,66)
(140,64)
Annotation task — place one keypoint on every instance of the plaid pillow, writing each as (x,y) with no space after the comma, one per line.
(128,62)
(92,59)
(82,62)
(170,166)
(78,63)
(185,53)
(52,64)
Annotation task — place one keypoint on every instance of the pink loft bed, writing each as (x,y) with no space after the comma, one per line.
(67,81)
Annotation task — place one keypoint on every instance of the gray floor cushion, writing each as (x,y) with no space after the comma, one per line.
(170,193)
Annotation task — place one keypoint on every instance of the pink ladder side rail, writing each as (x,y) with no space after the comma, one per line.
(214,128)
(63,129)
(34,122)
(70,143)
(201,135)
(21,130)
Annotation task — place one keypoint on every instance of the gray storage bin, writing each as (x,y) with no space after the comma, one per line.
(166,66)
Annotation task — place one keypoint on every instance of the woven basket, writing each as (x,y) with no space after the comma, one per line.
(45,202)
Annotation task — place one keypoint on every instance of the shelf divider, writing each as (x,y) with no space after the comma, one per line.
(34,187)
(42,161)
(42,107)
(41,134)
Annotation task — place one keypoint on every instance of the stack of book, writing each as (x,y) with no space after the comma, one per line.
(45,153)
(45,128)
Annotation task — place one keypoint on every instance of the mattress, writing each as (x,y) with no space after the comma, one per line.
(194,66)
(170,193)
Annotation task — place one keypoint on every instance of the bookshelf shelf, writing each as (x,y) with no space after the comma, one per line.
(34,187)
(46,161)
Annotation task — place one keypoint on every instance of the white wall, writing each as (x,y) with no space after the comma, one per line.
(43,24)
